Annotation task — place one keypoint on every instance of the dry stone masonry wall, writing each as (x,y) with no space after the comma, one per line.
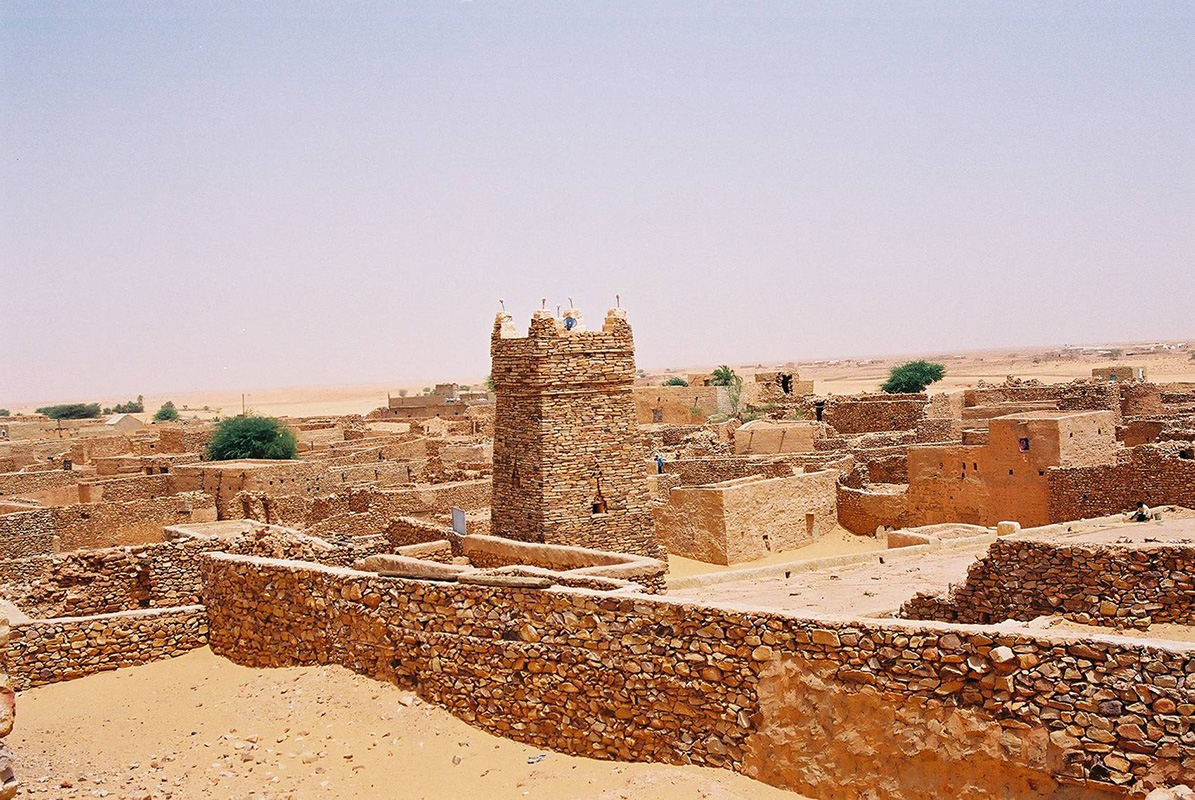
(637,678)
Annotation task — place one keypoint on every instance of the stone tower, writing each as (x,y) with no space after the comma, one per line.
(568,467)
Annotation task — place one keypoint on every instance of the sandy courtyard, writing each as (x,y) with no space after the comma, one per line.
(199,727)
(872,589)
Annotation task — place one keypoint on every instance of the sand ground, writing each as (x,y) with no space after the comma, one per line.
(844,376)
(199,727)
(872,589)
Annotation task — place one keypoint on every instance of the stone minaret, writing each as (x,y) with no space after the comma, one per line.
(568,467)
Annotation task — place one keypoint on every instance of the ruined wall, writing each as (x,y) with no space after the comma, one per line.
(27,533)
(979,712)
(866,413)
(1111,585)
(428,500)
(568,465)
(697,471)
(862,511)
(47,651)
(678,405)
(767,436)
(134,487)
(183,439)
(1138,399)
(28,483)
(406,531)
(134,522)
(1153,473)
(1090,397)
(83,451)
(746,519)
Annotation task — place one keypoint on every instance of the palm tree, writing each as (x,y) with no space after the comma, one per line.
(723,376)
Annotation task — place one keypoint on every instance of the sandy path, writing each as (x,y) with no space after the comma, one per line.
(199,727)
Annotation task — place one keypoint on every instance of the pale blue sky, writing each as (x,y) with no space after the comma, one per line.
(251,195)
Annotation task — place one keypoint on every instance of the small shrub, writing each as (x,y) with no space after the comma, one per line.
(674,381)
(251,437)
(4,412)
(912,377)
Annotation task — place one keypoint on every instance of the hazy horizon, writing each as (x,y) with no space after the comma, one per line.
(226,197)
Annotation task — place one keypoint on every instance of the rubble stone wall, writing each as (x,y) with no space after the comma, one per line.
(1152,474)
(27,533)
(862,510)
(133,487)
(1111,585)
(864,414)
(47,651)
(18,483)
(639,678)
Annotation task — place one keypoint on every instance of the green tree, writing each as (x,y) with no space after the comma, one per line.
(489,383)
(724,376)
(132,407)
(912,377)
(167,413)
(4,412)
(71,411)
(251,437)
(675,381)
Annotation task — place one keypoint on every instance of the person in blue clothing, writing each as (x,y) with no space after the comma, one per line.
(659,464)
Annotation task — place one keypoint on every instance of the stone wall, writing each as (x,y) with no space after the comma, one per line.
(864,413)
(568,463)
(27,533)
(864,510)
(715,469)
(405,531)
(47,651)
(24,483)
(918,711)
(1111,585)
(679,405)
(748,518)
(1153,473)
(134,487)
(101,524)
(1090,397)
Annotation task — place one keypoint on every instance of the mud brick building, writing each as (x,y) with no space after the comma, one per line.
(568,466)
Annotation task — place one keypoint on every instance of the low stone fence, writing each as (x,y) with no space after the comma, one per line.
(1116,585)
(918,711)
(47,651)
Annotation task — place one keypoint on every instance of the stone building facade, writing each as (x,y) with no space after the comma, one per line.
(568,466)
